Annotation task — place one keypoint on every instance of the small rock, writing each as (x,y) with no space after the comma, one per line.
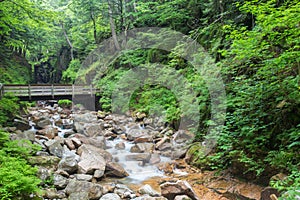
(145,157)
(70,144)
(110,196)
(182,197)
(120,146)
(154,159)
(43,122)
(83,177)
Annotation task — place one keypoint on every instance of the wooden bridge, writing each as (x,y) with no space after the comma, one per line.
(48,92)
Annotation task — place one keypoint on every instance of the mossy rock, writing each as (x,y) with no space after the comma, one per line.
(45,161)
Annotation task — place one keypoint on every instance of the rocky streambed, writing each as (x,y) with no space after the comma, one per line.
(96,155)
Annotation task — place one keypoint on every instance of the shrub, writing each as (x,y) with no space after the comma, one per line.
(8,108)
(17,178)
(65,103)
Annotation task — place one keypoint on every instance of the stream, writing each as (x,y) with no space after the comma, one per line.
(97,155)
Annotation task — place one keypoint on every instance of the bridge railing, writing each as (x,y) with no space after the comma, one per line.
(49,90)
(1,90)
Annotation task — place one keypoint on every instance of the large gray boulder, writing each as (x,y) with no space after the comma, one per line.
(90,160)
(55,148)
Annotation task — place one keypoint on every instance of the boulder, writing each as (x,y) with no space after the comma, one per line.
(21,124)
(147,189)
(115,170)
(142,148)
(123,191)
(120,146)
(93,130)
(79,196)
(49,131)
(145,157)
(43,122)
(59,181)
(68,163)
(44,174)
(70,144)
(90,160)
(83,177)
(45,161)
(55,148)
(85,118)
(154,159)
(26,135)
(171,189)
(110,196)
(135,133)
(86,148)
(94,190)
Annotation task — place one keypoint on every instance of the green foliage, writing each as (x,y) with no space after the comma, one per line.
(17,178)
(65,103)
(9,106)
(71,74)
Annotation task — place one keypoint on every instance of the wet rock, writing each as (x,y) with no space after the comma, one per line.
(145,157)
(147,189)
(83,177)
(123,191)
(50,132)
(94,190)
(76,142)
(55,148)
(59,181)
(171,189)
(154,159)
(178,152)
(164,140)
(98,141)
(165,146)
(79,196)
(267,192)
(182,197)
(68,163)
(120,145)
(133,134)
(115,170)
(43,122)
(110,196)
(22,125)
(90,160)
(142,148)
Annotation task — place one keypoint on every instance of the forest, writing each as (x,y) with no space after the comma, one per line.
(255,45)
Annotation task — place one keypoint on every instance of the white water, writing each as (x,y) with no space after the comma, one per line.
(136,172)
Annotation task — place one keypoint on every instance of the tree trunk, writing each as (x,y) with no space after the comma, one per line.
(68,40)
(94,27)
(113,28)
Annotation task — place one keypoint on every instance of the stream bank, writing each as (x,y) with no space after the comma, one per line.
(96,155)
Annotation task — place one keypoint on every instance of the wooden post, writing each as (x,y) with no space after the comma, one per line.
(29,92)
(91,89)
(73,91)
(52,91)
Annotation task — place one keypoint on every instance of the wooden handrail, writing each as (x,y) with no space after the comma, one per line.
(51,90)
